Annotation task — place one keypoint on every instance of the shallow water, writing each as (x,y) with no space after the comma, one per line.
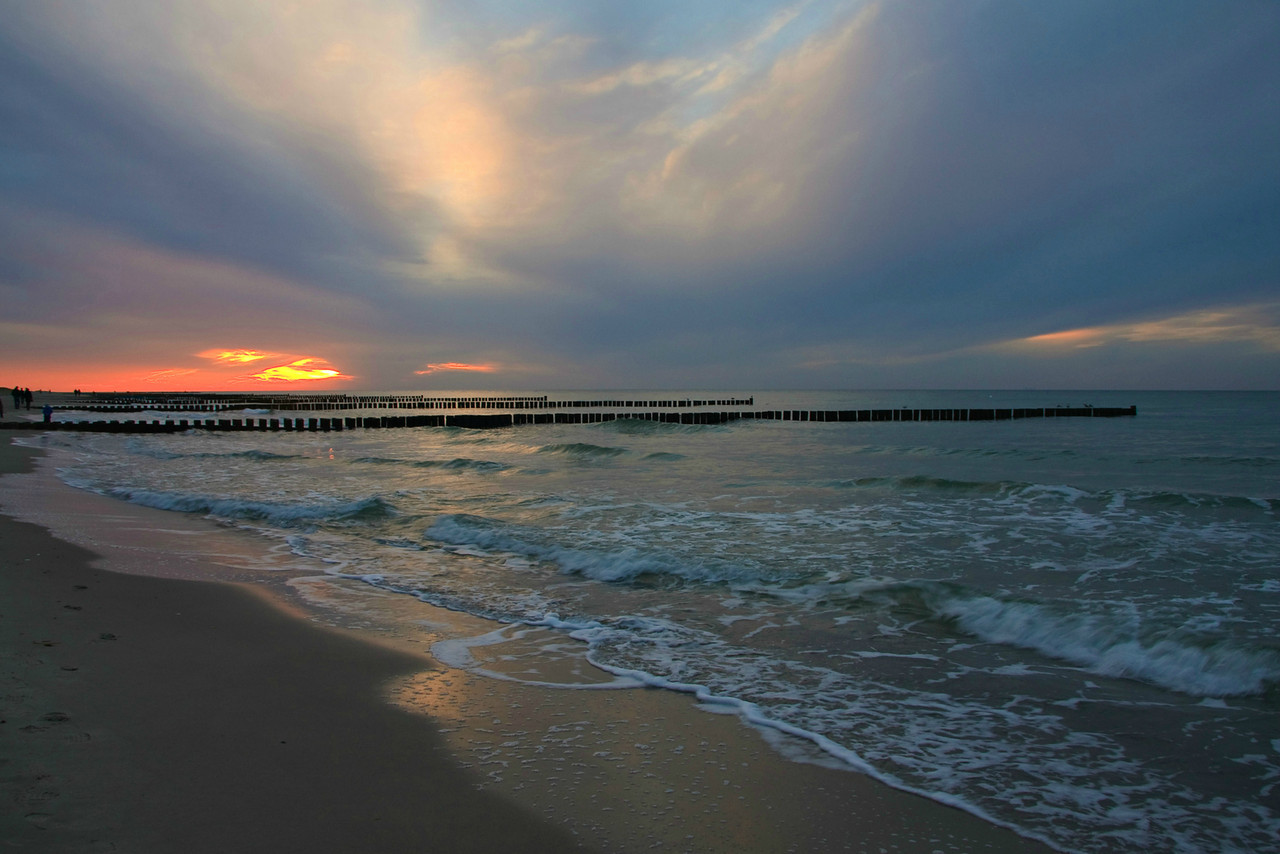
(1066,625)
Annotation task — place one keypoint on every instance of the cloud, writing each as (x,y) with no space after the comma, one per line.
(167,376)
(126,296)
(115,127)
(641,194)
(298,369)
(235,357)
(301,370)
(1257,325)
(456,366)
(746,166)
(1233,347)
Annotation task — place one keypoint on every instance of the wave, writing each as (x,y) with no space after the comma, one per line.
(144,449)
(616,565)
(1184,500)
(949,485)
(465,463)
(456,464)
(370,509)
(1213,460)
(924,483)
(1105,643)
(1110,645)
(1063,492)
(255,454)
(644,427)
(582,450)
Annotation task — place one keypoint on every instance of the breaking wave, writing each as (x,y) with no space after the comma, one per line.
(1112,645)
(1035,491)
(283,514)
(456,464)
(618,565)
(582,450)
(161,453)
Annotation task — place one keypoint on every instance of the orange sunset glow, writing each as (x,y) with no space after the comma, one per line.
(1068,338)
(300,370)
(455,366)
(216,369)
(236,357)
(1244,323)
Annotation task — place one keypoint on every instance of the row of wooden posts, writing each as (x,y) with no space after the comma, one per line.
(477,421)
(315,403)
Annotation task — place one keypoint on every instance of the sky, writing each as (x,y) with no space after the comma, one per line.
(575,194)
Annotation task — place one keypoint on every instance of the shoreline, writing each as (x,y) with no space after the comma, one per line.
(149,714)
(369,743)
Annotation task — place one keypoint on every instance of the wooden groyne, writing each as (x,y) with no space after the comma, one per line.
(486,421)
(201,402)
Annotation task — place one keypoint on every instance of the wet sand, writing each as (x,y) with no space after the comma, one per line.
(160,715)
(150,714)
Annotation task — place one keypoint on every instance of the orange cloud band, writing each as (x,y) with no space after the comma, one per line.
(456,366)
(162,376)
(1255,324)
(235,357)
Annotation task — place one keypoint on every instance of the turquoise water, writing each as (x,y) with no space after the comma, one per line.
(1065,625)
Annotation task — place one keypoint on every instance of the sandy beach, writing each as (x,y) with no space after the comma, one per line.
(151,714)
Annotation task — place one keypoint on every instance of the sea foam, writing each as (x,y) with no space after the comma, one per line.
(1112,645)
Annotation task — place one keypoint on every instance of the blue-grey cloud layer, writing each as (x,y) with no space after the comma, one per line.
(832,194)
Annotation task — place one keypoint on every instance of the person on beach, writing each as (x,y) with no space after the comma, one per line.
(48,413)
(29,398)
(17,397)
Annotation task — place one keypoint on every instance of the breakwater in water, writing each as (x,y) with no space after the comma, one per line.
(563,415)
(202,402)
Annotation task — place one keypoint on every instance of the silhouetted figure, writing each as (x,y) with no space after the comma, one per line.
(48,413)
(28,397)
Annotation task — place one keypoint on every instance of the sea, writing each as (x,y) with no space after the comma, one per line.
(1067,626)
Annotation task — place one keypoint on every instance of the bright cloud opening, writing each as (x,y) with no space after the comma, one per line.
(300,370)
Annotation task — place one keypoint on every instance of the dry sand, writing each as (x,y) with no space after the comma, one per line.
(145,714)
